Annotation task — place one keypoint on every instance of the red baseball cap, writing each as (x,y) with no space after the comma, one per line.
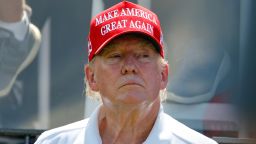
(124,17)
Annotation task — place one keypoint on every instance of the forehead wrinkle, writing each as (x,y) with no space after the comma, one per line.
(140,42)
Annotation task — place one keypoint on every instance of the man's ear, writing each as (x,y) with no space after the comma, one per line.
(90,77)
(164,76)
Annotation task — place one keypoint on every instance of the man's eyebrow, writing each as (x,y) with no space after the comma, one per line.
(107,49)
(147,43)
(113,47)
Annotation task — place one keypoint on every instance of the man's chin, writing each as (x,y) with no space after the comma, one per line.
(132,99)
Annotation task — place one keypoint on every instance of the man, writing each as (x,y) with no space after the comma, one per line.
(128,72)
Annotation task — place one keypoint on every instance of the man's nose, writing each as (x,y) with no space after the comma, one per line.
(129,65)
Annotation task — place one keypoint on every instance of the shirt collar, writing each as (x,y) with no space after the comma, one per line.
(156,135)
(92,134)
(159,132)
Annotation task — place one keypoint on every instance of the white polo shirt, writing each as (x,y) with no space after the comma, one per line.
(166,130)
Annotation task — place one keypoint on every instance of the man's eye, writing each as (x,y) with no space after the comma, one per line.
(145,55)
(115,56)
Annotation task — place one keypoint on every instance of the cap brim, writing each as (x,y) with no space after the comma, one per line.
(147,36)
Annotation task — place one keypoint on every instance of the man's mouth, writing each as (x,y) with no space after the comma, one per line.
(131,82)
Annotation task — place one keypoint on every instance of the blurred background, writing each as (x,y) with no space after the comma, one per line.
(210,46)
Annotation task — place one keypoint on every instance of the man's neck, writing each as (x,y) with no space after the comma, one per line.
(127,125)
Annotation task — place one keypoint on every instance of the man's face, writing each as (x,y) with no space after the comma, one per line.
(128,71)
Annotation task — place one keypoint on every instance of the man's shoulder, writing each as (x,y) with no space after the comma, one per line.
(63,134)
(182,133)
